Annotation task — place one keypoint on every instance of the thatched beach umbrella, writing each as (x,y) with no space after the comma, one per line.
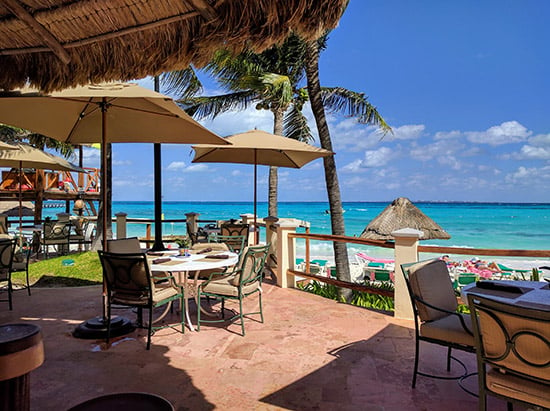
(12,208)
(56,44)
(401,213)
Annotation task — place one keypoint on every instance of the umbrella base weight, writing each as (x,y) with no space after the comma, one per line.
(96,328)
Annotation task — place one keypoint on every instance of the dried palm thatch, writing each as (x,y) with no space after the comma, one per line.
(401,213)
(55,44)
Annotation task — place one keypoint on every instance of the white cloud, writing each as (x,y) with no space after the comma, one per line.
(505,133)
(122,163)
(447,135)
(176,166)
(528,152)
(196,168)
(354,166)
(240,121)
(440,150)
(540,140)
(409,132)
(377,158)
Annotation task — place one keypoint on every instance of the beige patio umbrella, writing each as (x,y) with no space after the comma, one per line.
(26,156)
(401,213)
(103,113)
(260,147)
(6,146)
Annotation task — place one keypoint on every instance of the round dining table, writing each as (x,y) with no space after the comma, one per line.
(181,265)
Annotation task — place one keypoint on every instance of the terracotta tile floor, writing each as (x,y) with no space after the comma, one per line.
(310,354)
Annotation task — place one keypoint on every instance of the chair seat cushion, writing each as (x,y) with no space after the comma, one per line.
(449,329)
(517,387)
(224,286)
(164,292)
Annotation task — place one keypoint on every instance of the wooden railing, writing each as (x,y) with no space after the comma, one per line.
(386,244)
(53,180)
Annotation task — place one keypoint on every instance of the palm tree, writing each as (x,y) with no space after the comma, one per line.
(273,80)
(14,135)
(270,79)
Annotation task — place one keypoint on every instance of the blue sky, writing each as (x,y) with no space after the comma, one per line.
(464,85)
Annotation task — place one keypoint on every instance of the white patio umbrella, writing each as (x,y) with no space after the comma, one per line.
(259,147)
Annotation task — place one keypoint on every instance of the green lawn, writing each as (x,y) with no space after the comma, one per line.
(86,270)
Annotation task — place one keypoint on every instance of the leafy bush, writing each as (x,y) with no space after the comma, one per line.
(359,299)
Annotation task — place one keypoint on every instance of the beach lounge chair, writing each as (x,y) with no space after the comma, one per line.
(509,272)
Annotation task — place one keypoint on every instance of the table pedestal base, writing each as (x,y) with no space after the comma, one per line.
(96,328)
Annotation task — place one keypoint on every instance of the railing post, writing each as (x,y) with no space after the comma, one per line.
(286,253)
(271,238)
(121,224)
(192,220)
(248,219)
(406,251)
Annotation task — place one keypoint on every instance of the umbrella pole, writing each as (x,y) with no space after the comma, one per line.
(255,196)
(96,328)
(20,201)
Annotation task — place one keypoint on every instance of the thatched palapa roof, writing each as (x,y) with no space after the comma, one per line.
(401,213)
(56,44)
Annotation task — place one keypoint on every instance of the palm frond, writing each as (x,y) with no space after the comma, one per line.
(353,104)
(184,83)
(296,126)
(212,106)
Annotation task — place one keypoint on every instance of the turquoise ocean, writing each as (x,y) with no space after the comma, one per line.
(477,225)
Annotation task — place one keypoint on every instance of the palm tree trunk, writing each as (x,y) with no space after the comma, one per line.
(331,177)
(278,116)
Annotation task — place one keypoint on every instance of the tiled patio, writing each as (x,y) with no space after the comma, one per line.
(310,354)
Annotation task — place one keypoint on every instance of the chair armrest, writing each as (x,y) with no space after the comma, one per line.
(216,276)
(461,319)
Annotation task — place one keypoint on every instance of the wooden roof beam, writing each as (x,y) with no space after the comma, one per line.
(205,10)
(48,37)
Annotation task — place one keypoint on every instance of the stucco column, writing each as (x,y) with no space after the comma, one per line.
(121,225)
(406,251)
(286,253)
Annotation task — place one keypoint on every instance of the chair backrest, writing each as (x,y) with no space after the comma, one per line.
(512,339)
(430,281)
(124,245)
(235,243)
(251,265)
(7,249)
(235,229)
(127,277)
(56,230)
(199,236)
